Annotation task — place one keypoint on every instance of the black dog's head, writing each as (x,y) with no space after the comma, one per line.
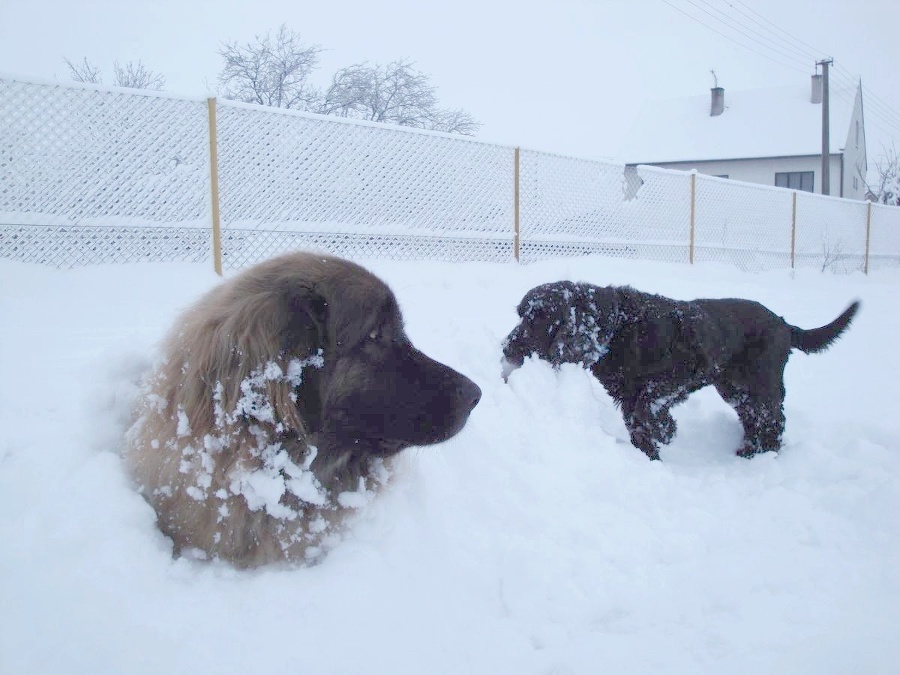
(562,322)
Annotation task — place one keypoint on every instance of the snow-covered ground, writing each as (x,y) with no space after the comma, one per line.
(537,541)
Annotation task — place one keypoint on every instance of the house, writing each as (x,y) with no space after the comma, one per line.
(769,136)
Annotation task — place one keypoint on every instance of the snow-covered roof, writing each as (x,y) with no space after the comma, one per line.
(772,122)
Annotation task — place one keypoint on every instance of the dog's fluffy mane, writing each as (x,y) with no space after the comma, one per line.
(229,376)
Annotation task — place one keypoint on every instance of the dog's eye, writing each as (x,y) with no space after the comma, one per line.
(375,335)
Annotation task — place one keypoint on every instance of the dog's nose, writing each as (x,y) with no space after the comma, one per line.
(469,392)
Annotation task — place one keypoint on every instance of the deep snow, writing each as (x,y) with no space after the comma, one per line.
(537,541)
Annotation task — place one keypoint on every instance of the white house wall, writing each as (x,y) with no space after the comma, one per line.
(762,171)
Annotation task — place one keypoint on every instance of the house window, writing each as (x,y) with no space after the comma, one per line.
(855,183)
(796,180)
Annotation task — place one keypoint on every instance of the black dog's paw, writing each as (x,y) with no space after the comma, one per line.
(749,450)
(642,439)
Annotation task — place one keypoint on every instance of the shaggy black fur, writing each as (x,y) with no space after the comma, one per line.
(651,352)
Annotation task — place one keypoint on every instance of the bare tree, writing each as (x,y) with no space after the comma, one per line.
(833,255)
(84,71)
(886,188)
(133,74)
(454,122)
(271,71)
(136,76)
(396,93)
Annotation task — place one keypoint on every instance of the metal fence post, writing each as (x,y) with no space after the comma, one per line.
(214,187)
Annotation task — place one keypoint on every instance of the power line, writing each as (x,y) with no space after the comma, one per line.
(745,30)
(813,53)
(871,98)
(874,105)
(883,108)
(882,114)
(731,39)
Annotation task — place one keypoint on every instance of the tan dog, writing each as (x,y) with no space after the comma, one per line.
(278,396)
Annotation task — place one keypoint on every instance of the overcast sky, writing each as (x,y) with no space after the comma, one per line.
(563,76)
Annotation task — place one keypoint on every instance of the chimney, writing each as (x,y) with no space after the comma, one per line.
(816,93)
(718,101)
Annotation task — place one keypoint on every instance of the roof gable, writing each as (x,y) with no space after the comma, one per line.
(772,122)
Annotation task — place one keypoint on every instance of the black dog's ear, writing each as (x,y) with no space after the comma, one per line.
(304,330)
(589,324)
(605,305)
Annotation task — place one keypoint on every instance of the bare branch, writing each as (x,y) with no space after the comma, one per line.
(886,188)
(275,70)
(394,93)
(271,71)
(84,71)
(136,76)
(455,122)
(133,74)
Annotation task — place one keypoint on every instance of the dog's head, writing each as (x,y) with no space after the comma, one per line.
(562,322)
(293,376)
(379,393)
(348,381)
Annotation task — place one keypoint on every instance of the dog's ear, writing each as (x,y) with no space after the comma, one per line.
(304,331)
(588,325)
(301,325)
(613,309)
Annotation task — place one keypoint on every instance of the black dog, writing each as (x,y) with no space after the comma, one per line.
(651,352)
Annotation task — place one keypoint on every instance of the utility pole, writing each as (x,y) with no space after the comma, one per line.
(826,160)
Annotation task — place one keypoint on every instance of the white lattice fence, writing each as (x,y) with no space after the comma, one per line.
(884,237)
(742,224)
(91,156)
(831,233)
(90,175)
(577,207)
(292,179)
(659,216)
(74,245)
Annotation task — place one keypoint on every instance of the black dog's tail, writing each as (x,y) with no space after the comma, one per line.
(818,339)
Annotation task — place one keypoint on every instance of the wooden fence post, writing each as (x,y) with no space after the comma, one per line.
(693,214)
(516,203)
(868,233)
(214,187)
(793,228)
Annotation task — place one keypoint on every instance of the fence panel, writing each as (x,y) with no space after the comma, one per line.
(576,207)
(742,224)
(79,157)
(658,217)
(292,179)
(75,245)
(831,233)
(884,237)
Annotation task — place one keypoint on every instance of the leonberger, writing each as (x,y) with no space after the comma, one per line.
(650,352)
(276,401)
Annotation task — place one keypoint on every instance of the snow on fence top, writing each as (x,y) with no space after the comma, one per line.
(91,174)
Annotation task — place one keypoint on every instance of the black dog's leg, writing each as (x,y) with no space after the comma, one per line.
(761,415)
(641,429)
(648,415)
